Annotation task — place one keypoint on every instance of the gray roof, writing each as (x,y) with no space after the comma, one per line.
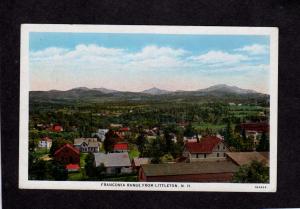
(79,141)
(244,158)
(112,159)
(93,144)
(172,169)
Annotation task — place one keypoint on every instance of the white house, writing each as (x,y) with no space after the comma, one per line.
(87,144)
(45,143)
(114,163)
(208,148)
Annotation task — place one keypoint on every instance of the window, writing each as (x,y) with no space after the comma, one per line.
(218,147)
(223,146)
(224,155)
(197,155)
(217,154)
(204,155)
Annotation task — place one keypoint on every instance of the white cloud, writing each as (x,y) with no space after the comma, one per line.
(95,56)
(150,52)
(94,65)
(48,53)
(220,58)
(255,49)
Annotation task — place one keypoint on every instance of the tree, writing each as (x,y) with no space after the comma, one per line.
(89,167)
(189,131)
(58,171)
(38,170)
(141,144)
(109,141)
(167,158)
(246,142)
(156,150)
(256,172)
(264,144)
(229,134)
(168,142)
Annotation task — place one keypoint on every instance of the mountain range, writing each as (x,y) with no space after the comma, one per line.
(80,93)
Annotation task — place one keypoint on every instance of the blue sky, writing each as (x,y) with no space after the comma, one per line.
(134,62)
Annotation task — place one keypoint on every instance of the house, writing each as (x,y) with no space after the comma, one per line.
(114,163)
(138,161)
(121,147)
(100,134)
(194,138)
(115,135)
(255,130)
(67,154)
(87,144)
(115,125)
(208,148)
(245,158)
(45,142)
(124,129)
(72,167)
(255,127)
(57,128)
(206,171)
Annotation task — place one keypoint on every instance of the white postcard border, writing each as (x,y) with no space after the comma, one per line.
(24,183)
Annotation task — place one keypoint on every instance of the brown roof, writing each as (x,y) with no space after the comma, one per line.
(206,145)
(170,169)
(244,158)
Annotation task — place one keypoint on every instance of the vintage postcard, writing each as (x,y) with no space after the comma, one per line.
(154,108)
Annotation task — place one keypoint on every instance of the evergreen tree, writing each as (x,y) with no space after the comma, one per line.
(141,144)
(38,170)
(109,141)
(156,150)
(229,134)
(89,167)
(189,131)
(264,144)
(58,171)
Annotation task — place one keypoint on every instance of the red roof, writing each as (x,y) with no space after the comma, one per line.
(118,136)
(259,127)
(57,128)
(72,167)
(124,129)
(121,146)
(68,146)
(206,145)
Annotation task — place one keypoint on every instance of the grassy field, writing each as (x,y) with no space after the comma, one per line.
(40,152)
(133,152)
(82,158)
(213,127)
(78,176)
(123,178)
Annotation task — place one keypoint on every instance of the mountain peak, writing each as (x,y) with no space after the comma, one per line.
(80,88)
(155,91)
(105,90)
(227,89)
